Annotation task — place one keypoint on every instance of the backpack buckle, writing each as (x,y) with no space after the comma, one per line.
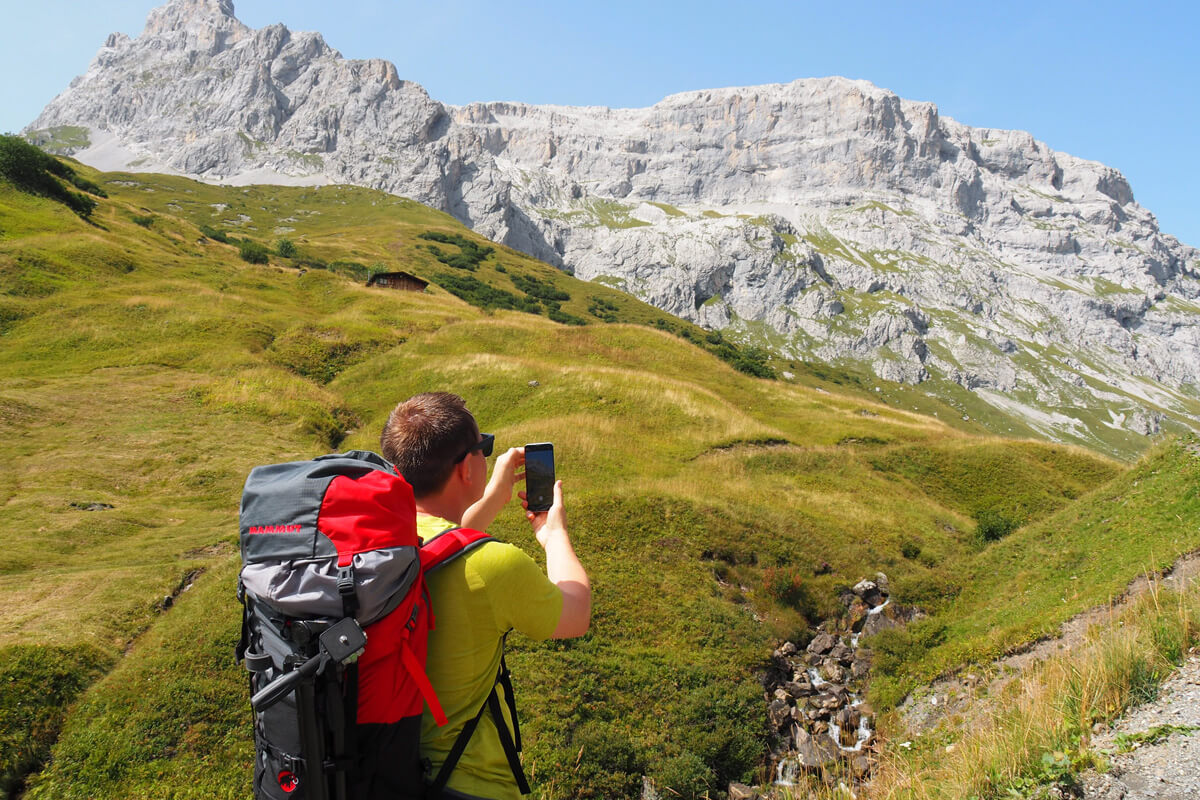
(345,587)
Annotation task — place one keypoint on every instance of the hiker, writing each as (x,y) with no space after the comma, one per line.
(435,443)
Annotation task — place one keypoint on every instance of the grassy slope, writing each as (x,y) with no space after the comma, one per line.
(1084,555)
(149,368)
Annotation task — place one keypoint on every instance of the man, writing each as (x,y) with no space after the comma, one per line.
(478,598)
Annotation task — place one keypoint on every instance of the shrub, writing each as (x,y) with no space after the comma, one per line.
(478,293)
(609,765)
(539,289)
(910,549)
(685,775)
(469,257)
(285,248)
(991,525)
(253,252)
(785,585)
(895,647)
(145,221)
(565,318)
(214,234)
(35,172)
(603,309)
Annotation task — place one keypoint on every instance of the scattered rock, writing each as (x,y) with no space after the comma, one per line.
(813,752)
(93,506)
(740,791)
(821,644)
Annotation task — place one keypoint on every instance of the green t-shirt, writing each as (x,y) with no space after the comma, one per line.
(477,598)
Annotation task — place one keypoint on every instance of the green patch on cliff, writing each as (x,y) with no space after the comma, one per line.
(60,138)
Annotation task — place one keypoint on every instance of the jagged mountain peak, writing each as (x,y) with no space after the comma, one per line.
(201,22)
(828,218)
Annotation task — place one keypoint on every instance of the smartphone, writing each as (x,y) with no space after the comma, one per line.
(539,476)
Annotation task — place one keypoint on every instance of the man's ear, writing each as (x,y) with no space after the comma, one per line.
(462,471)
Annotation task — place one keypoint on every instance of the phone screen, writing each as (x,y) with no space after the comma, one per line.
(539,476)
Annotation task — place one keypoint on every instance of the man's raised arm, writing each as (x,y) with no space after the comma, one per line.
(563,567)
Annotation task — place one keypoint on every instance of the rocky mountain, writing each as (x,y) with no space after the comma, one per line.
(826,218)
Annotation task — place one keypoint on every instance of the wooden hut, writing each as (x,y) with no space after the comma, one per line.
(398,280)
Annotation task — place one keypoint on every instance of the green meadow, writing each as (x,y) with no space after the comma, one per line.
(146,366)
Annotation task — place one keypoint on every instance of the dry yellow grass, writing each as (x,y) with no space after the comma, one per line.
(1051,709)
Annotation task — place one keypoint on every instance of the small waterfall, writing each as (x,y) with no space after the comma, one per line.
(786,771)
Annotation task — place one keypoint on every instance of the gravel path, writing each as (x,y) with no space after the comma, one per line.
(1168,770)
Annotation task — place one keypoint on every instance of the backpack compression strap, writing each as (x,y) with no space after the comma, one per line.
(449,545)
(437,552)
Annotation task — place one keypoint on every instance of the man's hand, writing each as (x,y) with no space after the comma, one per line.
(549,523)
(499,491)
(562,565)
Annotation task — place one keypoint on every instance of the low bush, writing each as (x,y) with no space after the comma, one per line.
(253,252)
(786,585)
(214,234)
(35,172)
(469,257)
(285,248)
(564,318)
(542,290)
(992,526)
(603,309)
(478,293)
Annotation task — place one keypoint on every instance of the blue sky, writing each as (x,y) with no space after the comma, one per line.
(1113,82)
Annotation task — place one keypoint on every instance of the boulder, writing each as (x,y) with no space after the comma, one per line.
(856,614)
(869,592)
(821,644)
(814,752)
(833,671)
(842,653)
(740,791)
(779,714)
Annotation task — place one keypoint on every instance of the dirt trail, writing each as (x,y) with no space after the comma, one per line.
(965,694)
(1168,769)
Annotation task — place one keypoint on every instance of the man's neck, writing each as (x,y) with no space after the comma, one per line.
(442,508)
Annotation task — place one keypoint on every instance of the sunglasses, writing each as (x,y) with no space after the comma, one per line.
(484,445)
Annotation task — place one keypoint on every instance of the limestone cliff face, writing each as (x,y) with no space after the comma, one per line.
(827,217)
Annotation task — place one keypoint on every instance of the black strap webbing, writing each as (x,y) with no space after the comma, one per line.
(511,742)
(460,744)
(239,649)
(506,741)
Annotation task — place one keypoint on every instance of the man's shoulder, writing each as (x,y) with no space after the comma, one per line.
(490,557)
(495,556)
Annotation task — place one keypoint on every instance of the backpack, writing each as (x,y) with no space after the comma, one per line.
(335,621)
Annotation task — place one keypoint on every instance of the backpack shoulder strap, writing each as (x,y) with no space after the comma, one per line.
(449,545)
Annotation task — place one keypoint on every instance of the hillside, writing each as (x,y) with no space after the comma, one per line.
(146,367)
(825,219)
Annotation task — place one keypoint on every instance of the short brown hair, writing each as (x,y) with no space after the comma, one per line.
(425,437)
